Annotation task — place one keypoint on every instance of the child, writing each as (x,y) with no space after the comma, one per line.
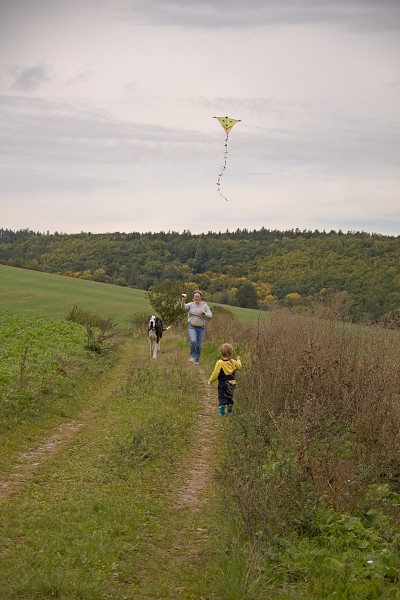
(224,371)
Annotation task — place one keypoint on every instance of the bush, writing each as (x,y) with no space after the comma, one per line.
(101,331)
(165,298)
(391,319)
(221,328)
(139,322)
(246,295)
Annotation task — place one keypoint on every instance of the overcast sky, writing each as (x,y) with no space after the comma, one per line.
(106,115)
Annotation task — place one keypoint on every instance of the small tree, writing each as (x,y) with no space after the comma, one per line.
(246,295)
(165,299)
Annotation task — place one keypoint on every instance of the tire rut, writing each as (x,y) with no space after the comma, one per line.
(27,464)
(192,494)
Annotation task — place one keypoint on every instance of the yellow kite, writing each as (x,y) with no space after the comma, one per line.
(226,123)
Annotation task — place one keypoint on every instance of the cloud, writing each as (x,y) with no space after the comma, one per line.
(222,14)
(35,179)
(30,78)
(309,134)
(37,130)
(82,75)
(130,87)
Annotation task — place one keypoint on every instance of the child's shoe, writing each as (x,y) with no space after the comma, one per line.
(229,410)
(222,410)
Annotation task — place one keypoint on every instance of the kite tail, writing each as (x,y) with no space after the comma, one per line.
(223,169)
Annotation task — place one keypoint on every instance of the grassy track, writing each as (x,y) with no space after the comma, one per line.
(99,517)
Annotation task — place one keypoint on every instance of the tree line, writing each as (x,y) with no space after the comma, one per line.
(252,268)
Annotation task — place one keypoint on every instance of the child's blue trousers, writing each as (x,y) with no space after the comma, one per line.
(225,393)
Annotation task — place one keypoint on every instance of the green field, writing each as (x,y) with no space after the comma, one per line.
(46,294)
(34,292)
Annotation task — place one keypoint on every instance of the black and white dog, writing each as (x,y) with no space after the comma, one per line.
(154,331)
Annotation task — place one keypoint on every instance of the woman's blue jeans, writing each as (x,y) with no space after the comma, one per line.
(196,335)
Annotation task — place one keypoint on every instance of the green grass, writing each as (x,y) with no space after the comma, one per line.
(100,518)
(245,314)
(37,356)
(33,348)
(34,292)
(42,364)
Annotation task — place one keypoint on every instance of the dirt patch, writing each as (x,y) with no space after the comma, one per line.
(28,463)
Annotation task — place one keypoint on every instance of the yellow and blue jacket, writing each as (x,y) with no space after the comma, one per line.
(224,370)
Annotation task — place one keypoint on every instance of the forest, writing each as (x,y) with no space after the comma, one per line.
(357,272)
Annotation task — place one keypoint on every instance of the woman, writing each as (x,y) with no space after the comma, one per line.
(198,313)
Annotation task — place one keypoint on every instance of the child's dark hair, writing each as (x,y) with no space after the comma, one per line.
(226,351)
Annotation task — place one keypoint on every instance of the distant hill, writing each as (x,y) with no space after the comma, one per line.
(300,269)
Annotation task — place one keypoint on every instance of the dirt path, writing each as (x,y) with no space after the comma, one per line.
(193,492)
(28,463)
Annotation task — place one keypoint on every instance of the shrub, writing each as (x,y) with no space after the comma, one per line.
(139,322)
(165,298)
(101,331)
(391,319)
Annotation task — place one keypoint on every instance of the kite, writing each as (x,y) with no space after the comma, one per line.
(227,125)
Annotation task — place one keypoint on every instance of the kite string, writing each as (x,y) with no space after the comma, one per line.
(223,169)
(194,262)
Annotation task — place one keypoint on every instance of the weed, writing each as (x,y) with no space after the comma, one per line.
(139,322)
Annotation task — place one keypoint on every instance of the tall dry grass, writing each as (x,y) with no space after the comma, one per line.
(317,418)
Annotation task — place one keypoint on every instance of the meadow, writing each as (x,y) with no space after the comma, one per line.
(304,501)
(34,292)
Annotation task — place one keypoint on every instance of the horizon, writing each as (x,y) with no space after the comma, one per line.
(294,230)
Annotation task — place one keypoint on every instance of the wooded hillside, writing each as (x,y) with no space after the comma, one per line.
(300,269)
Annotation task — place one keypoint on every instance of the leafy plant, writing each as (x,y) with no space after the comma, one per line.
(165,298)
